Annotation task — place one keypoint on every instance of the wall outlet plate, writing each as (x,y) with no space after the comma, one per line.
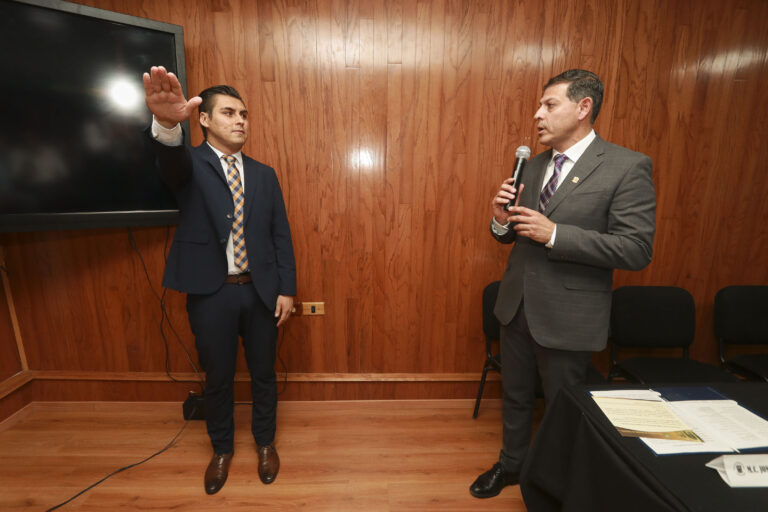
(312,308)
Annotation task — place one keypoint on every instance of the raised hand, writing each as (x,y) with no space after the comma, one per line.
(165,98)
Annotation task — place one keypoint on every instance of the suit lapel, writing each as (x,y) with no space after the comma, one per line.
(209,156)
(588,162)
(252,176)
(531,196)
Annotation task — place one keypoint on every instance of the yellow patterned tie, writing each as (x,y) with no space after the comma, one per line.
(238,232)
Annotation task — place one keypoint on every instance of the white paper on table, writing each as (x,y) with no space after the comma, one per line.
(725,420)
(630,394)
(742,470)
(669,446)
(642,416)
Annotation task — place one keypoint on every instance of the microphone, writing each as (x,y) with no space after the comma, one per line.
(521,157)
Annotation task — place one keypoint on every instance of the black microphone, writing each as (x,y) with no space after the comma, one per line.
(521,154)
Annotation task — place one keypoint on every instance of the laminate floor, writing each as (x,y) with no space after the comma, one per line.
(408,455)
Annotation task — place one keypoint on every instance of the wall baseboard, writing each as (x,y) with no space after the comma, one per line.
(60,385)
(243,376)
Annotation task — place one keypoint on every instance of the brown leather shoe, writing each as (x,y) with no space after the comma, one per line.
(217,472)
(269,463)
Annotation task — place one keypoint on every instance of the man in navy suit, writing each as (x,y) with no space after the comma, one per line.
(586,207)
(231,254)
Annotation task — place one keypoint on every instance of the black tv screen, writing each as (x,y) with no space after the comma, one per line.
(72,149)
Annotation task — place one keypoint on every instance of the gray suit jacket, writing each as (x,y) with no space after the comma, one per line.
(605,220)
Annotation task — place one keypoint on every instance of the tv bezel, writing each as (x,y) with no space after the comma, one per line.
(24,222)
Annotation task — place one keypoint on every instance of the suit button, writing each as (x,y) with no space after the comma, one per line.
(229,215)
(223,241)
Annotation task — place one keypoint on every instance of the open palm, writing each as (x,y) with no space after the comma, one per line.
(165,98)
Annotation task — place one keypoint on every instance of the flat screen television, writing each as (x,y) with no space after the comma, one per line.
(72,149)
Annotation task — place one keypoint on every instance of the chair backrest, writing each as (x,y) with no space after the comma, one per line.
(653,316)
(490,322)
(741,314)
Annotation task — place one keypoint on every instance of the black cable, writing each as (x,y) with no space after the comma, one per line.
(164,314)
(125,467)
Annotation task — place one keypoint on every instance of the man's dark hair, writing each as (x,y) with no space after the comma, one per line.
(583,84)
(207,96)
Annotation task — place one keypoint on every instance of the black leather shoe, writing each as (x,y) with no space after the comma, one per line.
(217,472)
(490,483)
(269,463)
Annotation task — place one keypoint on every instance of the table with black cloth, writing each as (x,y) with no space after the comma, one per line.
(578,462)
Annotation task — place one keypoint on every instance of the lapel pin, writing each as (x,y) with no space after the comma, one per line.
(575,179)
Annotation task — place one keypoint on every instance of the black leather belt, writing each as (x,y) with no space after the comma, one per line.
(243,278)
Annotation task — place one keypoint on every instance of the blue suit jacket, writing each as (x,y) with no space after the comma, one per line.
(197,261)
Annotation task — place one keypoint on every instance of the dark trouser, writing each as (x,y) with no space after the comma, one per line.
(217,320)
(521,356)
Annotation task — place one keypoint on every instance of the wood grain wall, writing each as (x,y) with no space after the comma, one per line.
(391,124)
(10,360)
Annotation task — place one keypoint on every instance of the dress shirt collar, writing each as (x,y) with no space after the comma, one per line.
(238,156)
(574,152)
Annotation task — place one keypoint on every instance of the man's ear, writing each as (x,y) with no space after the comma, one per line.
(585,108)
(204,119)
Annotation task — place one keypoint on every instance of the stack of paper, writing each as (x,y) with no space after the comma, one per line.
(683,426)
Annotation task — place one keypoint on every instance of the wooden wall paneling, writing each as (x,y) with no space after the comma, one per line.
(478,184)
(355,260)
(327,201)
(11,346)
(410,343)
(390,125)
(454,174)
(716,95)
(374,126)
(739,256)
(16,401)
(366,172)
(83,297)
(433,280)
(394,262)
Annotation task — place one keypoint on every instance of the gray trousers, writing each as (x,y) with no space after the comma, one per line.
(523,361)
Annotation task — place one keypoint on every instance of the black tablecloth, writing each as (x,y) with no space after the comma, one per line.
(579,462)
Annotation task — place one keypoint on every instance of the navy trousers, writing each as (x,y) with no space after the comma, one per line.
(218,320)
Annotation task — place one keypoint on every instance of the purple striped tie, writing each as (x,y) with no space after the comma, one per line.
(238,231)
(549,190)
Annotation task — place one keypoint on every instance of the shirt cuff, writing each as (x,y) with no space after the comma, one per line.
(551,242)
(167,136)
(499,228)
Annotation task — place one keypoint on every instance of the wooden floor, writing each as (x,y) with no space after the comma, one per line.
(335,456)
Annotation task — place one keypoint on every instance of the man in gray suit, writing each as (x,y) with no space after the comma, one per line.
(585,208)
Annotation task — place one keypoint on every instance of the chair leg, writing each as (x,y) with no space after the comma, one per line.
(480,391)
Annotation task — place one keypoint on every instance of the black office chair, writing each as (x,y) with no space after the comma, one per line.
(657,317)
(491,331)
(741,318)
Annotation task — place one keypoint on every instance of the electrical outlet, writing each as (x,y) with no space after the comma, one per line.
(313,308)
